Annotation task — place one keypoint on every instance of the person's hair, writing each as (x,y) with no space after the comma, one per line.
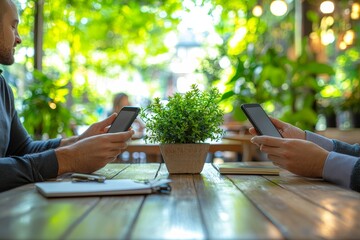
(117,98)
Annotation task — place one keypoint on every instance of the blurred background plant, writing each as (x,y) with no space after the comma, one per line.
(348,81)
(252,51)
(286,87)
(44,109)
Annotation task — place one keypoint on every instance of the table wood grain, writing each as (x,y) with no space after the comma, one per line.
(200,206)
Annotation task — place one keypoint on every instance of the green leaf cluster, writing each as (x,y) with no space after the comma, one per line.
(192,117)
(83,42)
(260,68)
(348,77)
(280,84)
(44,109)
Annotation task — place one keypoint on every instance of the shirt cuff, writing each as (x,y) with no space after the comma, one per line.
(46,164)
(322,141)
(338,168)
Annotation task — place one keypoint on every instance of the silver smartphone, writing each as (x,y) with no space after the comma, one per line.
(260,120)
(124,119)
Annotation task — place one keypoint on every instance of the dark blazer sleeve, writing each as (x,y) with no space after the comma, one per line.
(355,177)
(20,170)
(353,150)
(22,160)
(27,161)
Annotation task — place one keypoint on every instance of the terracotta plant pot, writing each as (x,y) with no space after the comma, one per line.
(184,158)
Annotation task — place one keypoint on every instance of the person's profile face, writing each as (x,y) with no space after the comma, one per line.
(124,102)
(9,36)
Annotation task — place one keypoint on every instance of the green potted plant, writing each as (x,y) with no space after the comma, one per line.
(182,126)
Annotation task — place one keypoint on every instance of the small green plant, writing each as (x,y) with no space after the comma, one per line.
(192,117)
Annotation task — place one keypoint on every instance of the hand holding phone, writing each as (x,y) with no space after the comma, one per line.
(260,120)
(124,119)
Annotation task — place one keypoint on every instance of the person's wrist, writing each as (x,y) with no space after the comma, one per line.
(65,160)
(69,141)
(76,138)
(322,161)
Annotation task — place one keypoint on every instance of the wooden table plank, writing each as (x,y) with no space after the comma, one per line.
(227,212)
(111,170)
(337,200)
(140,171)
(117,213)
(33,216)
(174,216)
(295,216)
(19,201)
(205,206)
(110,219)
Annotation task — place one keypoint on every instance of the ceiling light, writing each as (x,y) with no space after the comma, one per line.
(355,11)
(278,7)
(257,11)
(327,7)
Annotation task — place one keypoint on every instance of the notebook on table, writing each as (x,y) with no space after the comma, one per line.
(255,168)
(108,187)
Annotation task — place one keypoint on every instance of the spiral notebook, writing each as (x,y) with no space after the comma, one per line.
(108,187)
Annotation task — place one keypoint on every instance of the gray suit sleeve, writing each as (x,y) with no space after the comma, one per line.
(342,165)
(352,150)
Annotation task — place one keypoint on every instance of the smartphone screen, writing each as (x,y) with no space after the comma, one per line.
(124,119)
(260,120)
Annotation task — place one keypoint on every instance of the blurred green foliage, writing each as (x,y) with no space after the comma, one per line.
(262,68)
(83,40)
(87,40)
(44,109)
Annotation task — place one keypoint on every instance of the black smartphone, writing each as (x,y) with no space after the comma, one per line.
(124,119)
(260,120)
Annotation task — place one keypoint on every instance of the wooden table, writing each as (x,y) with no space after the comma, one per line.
(205,206)
(247,147)
(239,145)
(351,136)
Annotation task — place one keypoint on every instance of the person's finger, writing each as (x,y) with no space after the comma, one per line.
(252,131)
(274,151)
(278,123)
(120,136)
(107,121)
(267,140)
(118,147)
